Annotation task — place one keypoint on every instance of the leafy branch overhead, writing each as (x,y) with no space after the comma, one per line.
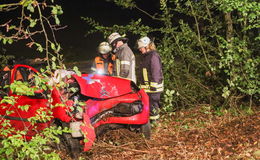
(35,19)
(210,49)
(34,22)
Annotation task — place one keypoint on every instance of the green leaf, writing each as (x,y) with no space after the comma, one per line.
(10,41)
(57,21)
(4,40)
(30,8)
(39,47)
(24,107)
(53,65)
(54,10)
(73,89)
(76,69)
(33,22)
(53,46)
(58,50)
(53,59)
(9,112)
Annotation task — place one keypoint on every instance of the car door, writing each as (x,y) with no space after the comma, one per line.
(25,106)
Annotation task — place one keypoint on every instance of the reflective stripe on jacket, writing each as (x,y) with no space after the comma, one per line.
(125,63)
(150,72)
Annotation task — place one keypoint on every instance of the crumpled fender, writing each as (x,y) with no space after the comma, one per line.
(141,118)
(88,131)
(100,86)
(60,112)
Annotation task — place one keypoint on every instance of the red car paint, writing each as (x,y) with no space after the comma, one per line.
(103,93)
(100,86)
(112,91)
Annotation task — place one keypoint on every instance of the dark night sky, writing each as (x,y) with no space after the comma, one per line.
(75,46)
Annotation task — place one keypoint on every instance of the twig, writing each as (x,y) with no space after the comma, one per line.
(199,36)
(146,13)
(211,21)
(45,34)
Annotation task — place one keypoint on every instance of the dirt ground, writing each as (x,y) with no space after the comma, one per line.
(193,134)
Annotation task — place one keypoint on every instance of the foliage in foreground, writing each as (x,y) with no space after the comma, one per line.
(16,147)
(206,59)
(35,24)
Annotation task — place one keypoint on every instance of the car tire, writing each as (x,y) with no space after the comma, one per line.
(146,130)
(72,145)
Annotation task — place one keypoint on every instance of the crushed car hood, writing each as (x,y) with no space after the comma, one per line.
(100,86)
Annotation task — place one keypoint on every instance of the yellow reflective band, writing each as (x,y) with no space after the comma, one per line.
(117,67)
(125,62)
(156,85)
(149,91)
(145,74)
(144,86)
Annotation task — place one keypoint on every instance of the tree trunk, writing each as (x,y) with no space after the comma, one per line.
(229,23)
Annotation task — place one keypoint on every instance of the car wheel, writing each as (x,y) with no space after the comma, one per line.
(146,130)
(72,145)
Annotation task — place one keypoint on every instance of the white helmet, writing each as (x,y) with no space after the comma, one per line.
(116,36)
(104,48)
(113,37)
(143,42)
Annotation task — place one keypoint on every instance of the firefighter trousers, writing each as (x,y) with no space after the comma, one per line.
(154,99)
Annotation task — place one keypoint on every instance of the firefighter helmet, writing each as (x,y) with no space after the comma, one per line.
(115,37)
(104,48)
(143,42)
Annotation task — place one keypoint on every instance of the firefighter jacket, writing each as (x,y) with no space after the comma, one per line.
(103,66)
(125,63)
(150,72)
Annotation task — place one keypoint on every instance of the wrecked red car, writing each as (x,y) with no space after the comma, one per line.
(108,103)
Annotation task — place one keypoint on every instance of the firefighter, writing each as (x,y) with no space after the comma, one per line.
(125,59)
(103,64)
(150,74)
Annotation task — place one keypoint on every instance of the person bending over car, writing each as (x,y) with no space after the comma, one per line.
(125,59)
